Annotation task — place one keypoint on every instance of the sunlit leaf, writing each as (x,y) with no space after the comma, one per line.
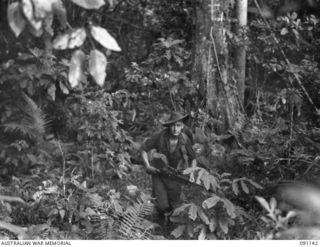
(97,66)
(42,8)
(211,202)
(206,181)
(190,230)
(15,18)
(70,40)
(284,31)
(244,187)
(76,68)
(89,4)
(235,188)
(258,186)
(178,231)
(203,217)
(54,211)
(28,11)
(273,204)
(193,212)
(200,174)
(190,170)
(35,32)
(202,234)
(62,213)
(180,209)
(213,182)
(52,92)
(263,203)
(229,207)
(213,224)
(102,36)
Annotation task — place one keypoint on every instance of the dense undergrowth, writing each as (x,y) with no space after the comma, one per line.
(70,169)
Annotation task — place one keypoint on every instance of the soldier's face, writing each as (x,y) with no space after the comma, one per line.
(176,129)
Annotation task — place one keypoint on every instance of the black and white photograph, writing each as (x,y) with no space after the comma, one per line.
(159,120)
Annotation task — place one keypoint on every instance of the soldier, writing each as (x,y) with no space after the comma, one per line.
(176,146)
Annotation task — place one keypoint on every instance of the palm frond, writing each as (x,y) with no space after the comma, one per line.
(31,123)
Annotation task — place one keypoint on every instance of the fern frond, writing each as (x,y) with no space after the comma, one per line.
(134,225)
(102,227)
(31,123)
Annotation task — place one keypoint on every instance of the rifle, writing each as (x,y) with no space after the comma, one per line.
(172,173)
(160,162)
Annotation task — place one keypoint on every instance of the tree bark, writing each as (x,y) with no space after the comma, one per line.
(211,68)
(240,53)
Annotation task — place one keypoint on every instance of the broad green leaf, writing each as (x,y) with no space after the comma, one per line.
(63,88)
(231,210)
(203,216)
(178,231)
(223,223)
(193,212)
(15,18)
(76,68)
(28,11)
(263,203)
(53,212)
(35,32)
(244,187)
(284,31)
(213,182)
(273,204)
(52,92)
(258,186)
(235,188)
(178,219)
(190,230)
(42,8)
(102,36)
(200,174)
(211,202)
(190,170)
(180,209)
(225,174)
(289,215)
(62,213)
(206,181)
(89,4)
(213,224)
(70,40)
(97,66)
(202,234)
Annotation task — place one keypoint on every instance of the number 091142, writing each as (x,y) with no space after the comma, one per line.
(308,242)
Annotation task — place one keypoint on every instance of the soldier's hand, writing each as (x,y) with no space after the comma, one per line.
(152,170)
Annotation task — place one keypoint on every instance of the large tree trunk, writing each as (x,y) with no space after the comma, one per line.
(240,53)
(211,63)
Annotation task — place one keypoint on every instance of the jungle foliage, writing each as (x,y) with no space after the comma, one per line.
(83,83)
